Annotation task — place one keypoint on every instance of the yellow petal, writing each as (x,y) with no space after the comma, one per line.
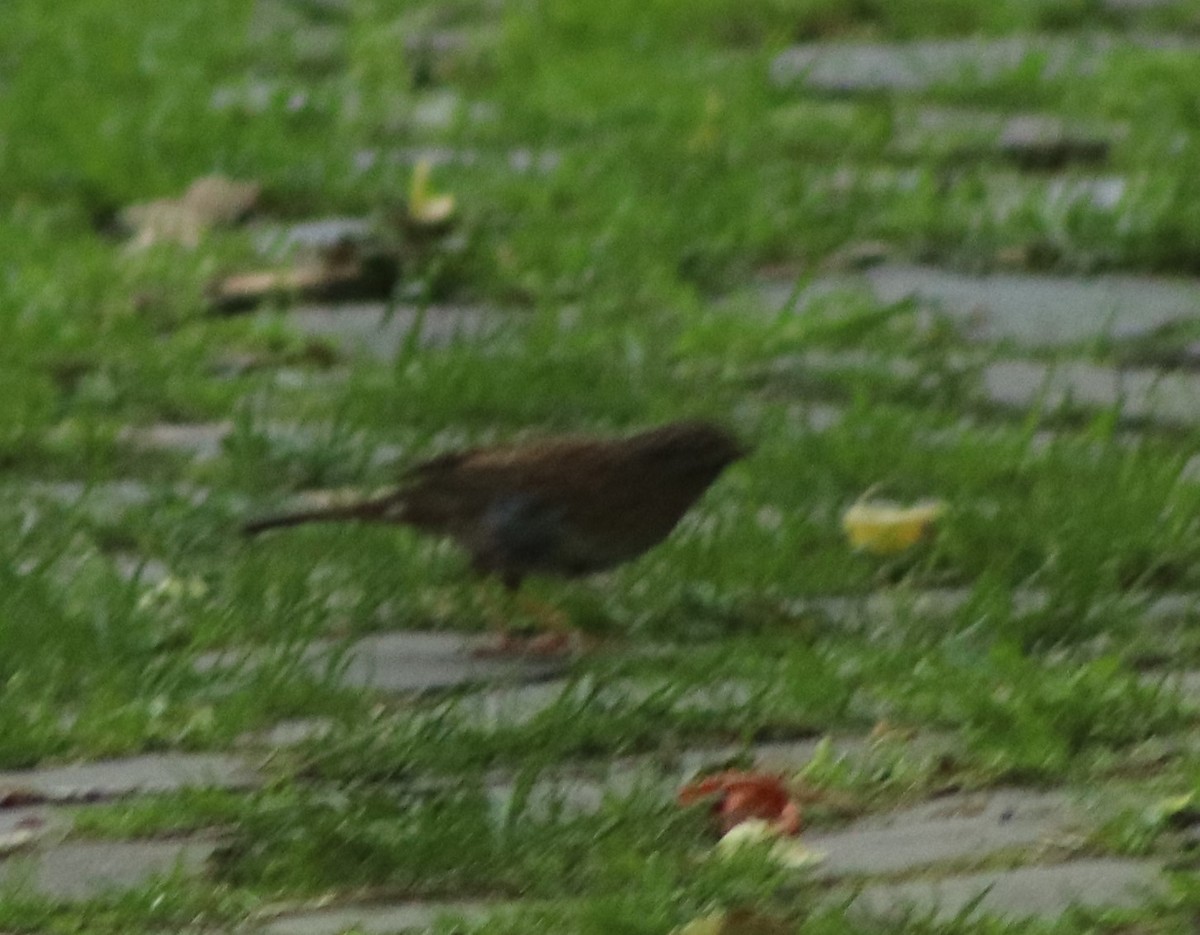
(885,528)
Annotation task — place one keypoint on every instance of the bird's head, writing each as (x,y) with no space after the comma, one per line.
(689,448)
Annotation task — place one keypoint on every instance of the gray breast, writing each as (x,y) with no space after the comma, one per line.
(520,532)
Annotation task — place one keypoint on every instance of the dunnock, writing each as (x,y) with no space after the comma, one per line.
(565,506)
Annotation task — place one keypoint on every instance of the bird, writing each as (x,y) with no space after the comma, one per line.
(561,506)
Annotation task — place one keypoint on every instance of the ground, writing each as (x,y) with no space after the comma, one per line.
(922,251)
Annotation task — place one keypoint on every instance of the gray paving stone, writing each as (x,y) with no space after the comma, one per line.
(317,234)
(915,66)
(1061,195)
(955,828)
(411,662)
(886,609)
(1046,141)
(288,733)
(1031,140)
(416,662)
(108,502)
(444,108)
(148,571)
(522,160)
(1186,683)
(85,869)
(1039,310)
(1031,310)
(377,919)
(1028,891)
(202,441)
(205,441)
(518,704)
(373,330)
(152,772)
(1139,394)
(107,498)
(1001,197)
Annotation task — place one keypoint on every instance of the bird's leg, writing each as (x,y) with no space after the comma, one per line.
(556,635)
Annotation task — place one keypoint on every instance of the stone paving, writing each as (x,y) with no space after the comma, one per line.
(1032,310)
(1017,848)
(947,831)
(844,68)
(380,331)
(1029,140)
(106,779)
(81,870)
(1039,312)
(1020,893)
(1137,395)
(377,919)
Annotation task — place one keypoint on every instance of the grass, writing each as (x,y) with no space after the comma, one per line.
(626,178)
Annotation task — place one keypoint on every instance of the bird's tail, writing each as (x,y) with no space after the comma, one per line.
(383,509)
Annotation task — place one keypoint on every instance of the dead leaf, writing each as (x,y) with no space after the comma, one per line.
(212,201)
(18,796)
(218,201)
(336,277)
(740,796)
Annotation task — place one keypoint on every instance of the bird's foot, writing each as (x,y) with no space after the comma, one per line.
(546,645)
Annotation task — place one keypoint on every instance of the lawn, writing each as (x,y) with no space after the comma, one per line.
(634,193)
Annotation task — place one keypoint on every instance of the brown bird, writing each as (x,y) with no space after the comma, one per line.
(564,506)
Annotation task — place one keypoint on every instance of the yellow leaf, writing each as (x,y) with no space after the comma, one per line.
(424,207)
(210,202)
(886,528)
